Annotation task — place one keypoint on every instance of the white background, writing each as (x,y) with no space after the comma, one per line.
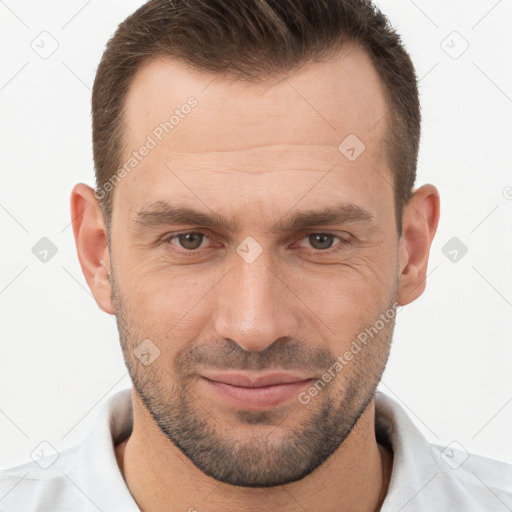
(451,363)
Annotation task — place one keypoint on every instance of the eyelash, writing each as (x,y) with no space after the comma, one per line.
(343,241)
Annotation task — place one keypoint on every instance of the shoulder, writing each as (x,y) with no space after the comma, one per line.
(476,473)
(82,477)
(40,485)
(427,476)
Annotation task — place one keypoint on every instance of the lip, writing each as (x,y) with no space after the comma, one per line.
(255,391)
(257,380)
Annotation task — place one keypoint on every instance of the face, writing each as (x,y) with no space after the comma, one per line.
(245,245)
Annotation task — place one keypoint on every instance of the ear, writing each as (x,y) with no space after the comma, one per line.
(91,244)
(420,219)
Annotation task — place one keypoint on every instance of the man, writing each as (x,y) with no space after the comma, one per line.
(254,229)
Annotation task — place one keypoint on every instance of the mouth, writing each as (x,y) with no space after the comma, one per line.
(255,391)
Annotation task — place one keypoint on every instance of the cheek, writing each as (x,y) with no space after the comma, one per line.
(171,304)
(348,298)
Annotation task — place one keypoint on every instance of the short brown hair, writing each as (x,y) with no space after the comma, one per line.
(252,40)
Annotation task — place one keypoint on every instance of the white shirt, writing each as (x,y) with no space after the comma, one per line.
(425,477)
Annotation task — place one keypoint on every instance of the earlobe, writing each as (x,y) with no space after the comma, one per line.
(91,244)
(420,220)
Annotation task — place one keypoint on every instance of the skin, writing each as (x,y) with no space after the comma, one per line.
(256,154)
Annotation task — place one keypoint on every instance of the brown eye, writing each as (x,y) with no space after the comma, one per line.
(190,241)
(321,241)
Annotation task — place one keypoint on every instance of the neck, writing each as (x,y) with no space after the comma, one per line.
(354,477)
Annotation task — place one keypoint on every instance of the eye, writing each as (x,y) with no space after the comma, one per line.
(190,241)
(322,241)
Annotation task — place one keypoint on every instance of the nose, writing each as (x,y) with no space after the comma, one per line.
(254,306)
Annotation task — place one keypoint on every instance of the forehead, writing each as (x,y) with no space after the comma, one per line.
(281,134)
(323,101)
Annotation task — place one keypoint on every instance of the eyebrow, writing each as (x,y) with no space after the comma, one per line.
(162,213)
